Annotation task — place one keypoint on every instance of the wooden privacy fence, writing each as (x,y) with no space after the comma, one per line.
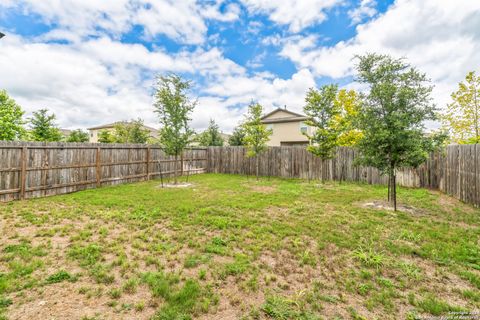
(29,170)
(454,171)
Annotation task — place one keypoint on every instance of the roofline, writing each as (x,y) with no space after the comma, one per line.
(290,119)
(112,125)
(284,110)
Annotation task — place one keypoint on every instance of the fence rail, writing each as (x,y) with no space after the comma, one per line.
(454,171)
(30,170)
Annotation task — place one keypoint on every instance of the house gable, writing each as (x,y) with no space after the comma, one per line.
(281,114)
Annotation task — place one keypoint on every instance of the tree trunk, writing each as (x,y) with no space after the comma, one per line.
(388,188)
(256,167)
(392,188)
(394,191)
(175,167)
(161,173)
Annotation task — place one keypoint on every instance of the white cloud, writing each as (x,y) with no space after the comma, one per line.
(270,92)
(297,14)
(441,38)
(231,12)
(103,80)
(96,81)
(182,21)
(366,9)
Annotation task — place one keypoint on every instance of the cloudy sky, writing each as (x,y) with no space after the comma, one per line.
(93,62)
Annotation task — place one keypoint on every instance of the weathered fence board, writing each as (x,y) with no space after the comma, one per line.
(454,171)
(31,170)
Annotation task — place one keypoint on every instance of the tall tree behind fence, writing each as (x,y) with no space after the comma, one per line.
(454,171)
(29,170)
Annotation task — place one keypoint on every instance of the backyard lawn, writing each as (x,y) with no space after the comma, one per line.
(232,248)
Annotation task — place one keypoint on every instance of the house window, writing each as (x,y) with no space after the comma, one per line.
(303,128)
(270,126)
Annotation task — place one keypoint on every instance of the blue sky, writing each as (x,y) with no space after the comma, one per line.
(93,62)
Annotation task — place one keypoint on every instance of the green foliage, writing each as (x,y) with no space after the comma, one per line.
(60,276)
(369,257)
(278,308)
(349,105)
(462,117)
(78,136)
(23,250)
(87,255)
(11,123)
(160,284)
(105,136)
(256,134)
(4,302)
(331,113)
(173,108)
(321,111)
(436,307)
(237,137)
(43,127)
(125,132)
(392,115)
(211,137)
(115,293)
(283,309)
(130,286)
(180,302)
(131,132)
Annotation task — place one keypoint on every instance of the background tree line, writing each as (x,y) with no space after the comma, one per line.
(41,126)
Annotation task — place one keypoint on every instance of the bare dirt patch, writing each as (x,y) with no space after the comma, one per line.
(383,205)
(178,185)
(63,301)
(263,189)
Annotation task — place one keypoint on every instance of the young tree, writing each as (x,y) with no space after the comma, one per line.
(237,137)
(392,116)
(322,112)
(131,132)
(256,134)
(174,108)
(105,136)
(462,118)
(11,122)
(78,136)
(43,127)
(211,137)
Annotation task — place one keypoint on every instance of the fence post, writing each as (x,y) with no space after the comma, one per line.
(148,163)
(99,168)
(23,173)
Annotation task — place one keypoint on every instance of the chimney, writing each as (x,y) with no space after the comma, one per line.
(285,107)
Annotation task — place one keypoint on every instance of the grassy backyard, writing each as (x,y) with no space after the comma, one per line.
(233,248)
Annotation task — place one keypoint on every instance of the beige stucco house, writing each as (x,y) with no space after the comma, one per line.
(94,131)
(287,128)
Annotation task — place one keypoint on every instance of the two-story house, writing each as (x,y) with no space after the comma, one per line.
(95,131)
(287,127)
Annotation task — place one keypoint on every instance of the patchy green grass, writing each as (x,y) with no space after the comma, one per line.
(232,247)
